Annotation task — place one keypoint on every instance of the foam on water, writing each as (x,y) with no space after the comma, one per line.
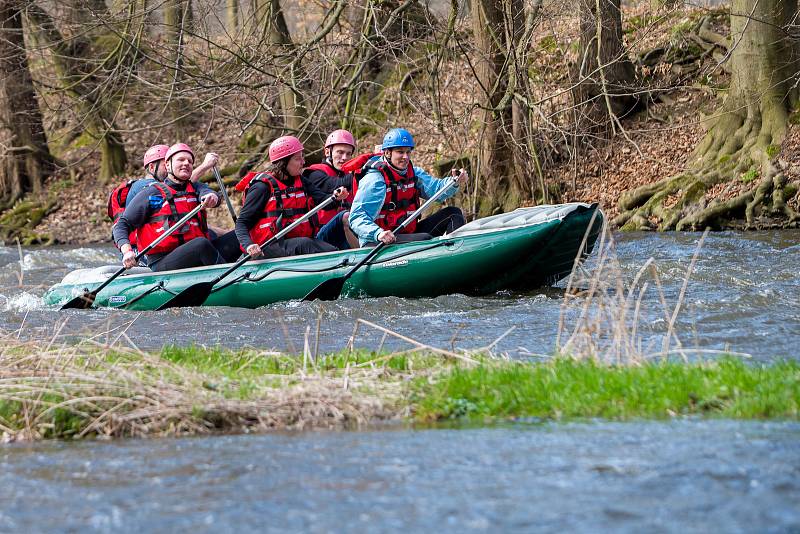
(21,302)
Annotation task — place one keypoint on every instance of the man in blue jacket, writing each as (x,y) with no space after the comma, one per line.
(392,188)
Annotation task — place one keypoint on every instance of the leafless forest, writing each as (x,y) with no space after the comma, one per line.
(512,88)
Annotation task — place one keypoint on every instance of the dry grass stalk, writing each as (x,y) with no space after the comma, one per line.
(122,391)
(606,306)
(418,344)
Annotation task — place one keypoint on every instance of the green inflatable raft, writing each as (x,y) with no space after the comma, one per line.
(523,249)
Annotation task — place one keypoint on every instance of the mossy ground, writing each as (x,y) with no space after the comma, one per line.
(66,393)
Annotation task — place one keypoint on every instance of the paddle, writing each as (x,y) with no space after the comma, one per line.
(87,299)
(224,193)
(331,289)
(196,294)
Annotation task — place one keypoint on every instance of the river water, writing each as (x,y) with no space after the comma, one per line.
(688,475)
(681,476)
(744,296)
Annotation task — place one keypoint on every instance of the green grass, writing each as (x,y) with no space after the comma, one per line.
(243,374)
(568,389)
(251,363)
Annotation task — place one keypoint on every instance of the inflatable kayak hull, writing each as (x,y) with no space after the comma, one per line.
(524,249)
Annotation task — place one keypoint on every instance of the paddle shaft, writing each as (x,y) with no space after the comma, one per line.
(141,254)
(276,237)
(402,225)
(224,192)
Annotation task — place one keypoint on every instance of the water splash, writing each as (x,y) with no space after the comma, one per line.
(21,302)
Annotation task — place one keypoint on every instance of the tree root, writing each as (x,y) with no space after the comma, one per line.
(19,221)
(763,205)
(739,150)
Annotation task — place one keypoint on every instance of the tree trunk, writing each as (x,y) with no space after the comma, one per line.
(503,185)
(25,159)
(73,60)
(290,72)
(232,16)
(605,77)
(744,141)
(172,18)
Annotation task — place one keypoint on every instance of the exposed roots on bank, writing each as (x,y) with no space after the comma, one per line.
(736,175)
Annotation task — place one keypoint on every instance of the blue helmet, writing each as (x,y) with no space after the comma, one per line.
(397,137)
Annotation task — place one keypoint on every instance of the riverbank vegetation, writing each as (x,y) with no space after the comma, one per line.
(672,116)
(90,390)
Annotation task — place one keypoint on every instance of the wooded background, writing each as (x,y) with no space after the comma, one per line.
(511,88)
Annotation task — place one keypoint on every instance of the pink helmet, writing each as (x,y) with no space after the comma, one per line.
(155,153)
(178,147)
(283,147)
(340,137)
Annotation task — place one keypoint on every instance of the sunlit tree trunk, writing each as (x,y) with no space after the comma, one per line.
(744,141)
(232,16)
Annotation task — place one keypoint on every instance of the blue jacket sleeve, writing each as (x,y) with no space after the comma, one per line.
(137,187)
(366,207)
(429,185)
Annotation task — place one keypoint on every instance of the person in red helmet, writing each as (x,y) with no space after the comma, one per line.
(328,175)
(162,204)
(274,199)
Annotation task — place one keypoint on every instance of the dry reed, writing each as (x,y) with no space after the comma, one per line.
(603,309)
(113,391)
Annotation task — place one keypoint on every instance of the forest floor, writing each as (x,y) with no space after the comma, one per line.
(656,143)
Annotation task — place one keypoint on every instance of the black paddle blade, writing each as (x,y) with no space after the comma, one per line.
(328,290)
(81,302)
(193,295)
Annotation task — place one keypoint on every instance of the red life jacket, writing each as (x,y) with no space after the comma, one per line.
(402,197)
(285,204)
(323,216)
(115,206)
(117,200)
(176,204)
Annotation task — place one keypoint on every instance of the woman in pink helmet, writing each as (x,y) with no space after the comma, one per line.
(275,198)
(162,204)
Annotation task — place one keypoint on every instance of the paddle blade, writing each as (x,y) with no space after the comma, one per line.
(327,290)
(193,295)
(81,302)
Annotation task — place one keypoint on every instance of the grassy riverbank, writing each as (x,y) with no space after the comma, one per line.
(566,388)
(82,391)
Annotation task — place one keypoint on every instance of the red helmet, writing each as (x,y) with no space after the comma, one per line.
(340,137)
(154,153)
(178,147)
